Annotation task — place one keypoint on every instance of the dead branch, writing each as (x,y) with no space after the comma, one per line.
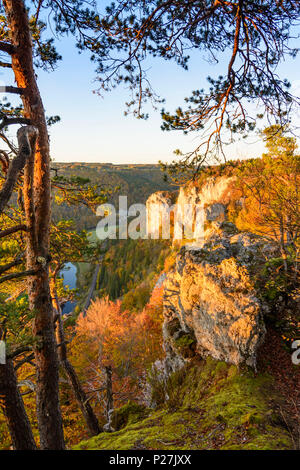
(18,163)
(17,261)
(5,65)
(10,121)
(12,89)
(7,47)
(18,351)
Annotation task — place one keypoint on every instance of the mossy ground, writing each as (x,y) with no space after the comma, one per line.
(128,414)
(212,405)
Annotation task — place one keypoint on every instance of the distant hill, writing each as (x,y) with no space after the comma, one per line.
(137,181)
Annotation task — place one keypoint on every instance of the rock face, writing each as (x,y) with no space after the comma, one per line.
(215,189)
(157,205)
(213,196)
(210,305)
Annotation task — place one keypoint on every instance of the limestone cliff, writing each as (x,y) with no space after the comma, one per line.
(158,204)
(211,307)
(214,196)
(201,396)
(210,304)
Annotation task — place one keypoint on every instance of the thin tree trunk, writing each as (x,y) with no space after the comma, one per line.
(14,410)
(109,400)
(37,209)
(109,391)
(80,395)
(283,247)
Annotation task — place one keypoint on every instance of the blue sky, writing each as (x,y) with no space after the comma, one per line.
(94,129)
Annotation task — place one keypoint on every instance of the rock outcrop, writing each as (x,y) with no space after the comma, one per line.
(210,304)
(213,198)
(211,307)
(214,189)
(158,205)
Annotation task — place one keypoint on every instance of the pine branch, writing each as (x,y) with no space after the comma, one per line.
(10,277)
(10,121)
(27,359)
(11,230)
(12,89)
(6,65)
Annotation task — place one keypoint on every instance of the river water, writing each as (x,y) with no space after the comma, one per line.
(69,275)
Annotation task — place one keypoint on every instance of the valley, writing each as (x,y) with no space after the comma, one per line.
(150,230)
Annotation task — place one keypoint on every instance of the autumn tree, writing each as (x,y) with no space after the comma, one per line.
(126,343)
(271,189)
(67,245)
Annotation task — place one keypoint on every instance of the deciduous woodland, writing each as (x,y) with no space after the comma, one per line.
(189,344)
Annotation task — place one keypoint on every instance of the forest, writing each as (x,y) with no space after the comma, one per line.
(174,344)
(137,182)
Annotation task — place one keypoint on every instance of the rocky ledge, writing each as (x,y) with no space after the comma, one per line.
(211,306)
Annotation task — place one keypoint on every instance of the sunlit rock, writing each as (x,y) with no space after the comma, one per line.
(210,304)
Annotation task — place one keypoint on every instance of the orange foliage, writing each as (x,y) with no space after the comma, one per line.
(104,325)
(128,342)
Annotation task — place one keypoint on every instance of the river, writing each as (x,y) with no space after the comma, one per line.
(69,275)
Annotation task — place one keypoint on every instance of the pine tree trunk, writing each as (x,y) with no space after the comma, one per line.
(14,410)
(80,395)
(37,208)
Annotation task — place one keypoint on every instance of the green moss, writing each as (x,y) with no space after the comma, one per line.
(221,368)
(212,405)
(128,414)
(184,341)
(252,418)
(186,345)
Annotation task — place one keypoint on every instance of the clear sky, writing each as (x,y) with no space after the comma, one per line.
(94,129)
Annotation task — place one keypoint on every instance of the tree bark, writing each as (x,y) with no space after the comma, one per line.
(109,400)
(14,410)
(26,139)
(80,395)
(109,391)
(283,247)
(37,209)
